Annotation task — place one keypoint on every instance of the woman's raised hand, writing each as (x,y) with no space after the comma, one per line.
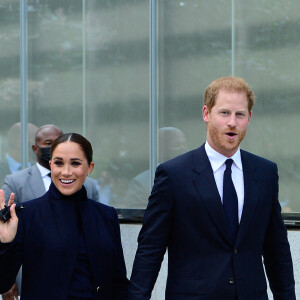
(8,230)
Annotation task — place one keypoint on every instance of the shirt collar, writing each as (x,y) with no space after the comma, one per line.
(44,171)
(217,159)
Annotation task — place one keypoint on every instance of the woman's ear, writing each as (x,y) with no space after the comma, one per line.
(91,167)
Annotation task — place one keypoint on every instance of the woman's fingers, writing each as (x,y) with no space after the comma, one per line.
(2,199)
(11,198)
(13,211)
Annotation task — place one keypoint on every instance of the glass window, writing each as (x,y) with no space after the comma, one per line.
(130,75)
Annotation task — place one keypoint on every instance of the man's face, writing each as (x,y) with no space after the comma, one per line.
(227,122)
(44,140)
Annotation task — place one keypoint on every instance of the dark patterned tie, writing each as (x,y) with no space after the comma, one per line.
(230,201)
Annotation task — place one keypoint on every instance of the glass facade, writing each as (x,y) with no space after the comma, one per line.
(130,75)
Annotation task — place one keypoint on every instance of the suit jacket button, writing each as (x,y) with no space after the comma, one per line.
(231,280)
(98,289)
(235,251)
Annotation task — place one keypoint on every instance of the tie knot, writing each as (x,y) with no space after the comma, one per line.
(228,163)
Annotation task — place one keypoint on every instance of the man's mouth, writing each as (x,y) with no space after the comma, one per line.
(231,134)
(67,181)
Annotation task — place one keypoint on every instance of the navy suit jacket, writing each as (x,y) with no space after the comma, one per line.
(185,216)
(46,245)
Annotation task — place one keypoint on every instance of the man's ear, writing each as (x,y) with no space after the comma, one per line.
(35,149)
(205,113)
(250,115)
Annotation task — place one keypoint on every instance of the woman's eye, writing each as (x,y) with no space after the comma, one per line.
(76,163)
(58,163)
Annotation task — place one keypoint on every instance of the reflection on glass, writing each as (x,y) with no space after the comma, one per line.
(88,71)
(171,143)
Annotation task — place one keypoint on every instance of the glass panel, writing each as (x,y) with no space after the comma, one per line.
(55,64)
(267,56)
(194,49)
(117,83)
(10,139)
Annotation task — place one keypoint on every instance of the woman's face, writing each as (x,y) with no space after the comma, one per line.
(69,168)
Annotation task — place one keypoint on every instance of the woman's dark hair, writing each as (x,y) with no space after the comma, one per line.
(83,143)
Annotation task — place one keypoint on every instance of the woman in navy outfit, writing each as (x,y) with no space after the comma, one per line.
(69,246)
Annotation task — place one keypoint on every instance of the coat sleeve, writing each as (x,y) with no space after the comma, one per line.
(277,254)
(10,261)
(120,281)
(153,238)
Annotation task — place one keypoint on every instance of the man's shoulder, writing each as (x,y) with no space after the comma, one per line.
(22,173)
(263,167)
(253,158)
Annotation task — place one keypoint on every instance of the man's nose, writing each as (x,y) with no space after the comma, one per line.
(232,121)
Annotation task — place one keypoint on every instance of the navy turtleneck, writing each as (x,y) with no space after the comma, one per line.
(81,285)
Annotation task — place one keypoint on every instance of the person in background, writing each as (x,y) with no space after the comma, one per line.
(77,253)
(171,143)
(11,163)
(34,181)
(217,212)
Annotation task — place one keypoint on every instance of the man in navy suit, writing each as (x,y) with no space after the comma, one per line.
(219,226)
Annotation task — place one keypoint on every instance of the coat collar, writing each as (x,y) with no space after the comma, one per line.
(64,212)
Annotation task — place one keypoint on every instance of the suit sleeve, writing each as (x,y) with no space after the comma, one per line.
(277,254)
(9,187)
(153,238)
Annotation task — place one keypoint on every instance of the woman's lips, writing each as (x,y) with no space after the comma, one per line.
(67,181)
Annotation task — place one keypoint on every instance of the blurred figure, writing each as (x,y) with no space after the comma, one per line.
(106,183)
(12,160)
(171,144)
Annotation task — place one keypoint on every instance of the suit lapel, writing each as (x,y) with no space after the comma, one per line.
(207,189)
(251,185)
(36,183)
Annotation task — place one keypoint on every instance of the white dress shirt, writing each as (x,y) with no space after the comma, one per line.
(217,162)
(44,173)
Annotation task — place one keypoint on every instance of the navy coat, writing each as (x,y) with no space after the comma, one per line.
(46,246)
(185,216)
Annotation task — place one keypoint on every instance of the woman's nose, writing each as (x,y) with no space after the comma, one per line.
(66,170)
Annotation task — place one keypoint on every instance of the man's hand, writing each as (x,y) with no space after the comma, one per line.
(8,230)
(12,294)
